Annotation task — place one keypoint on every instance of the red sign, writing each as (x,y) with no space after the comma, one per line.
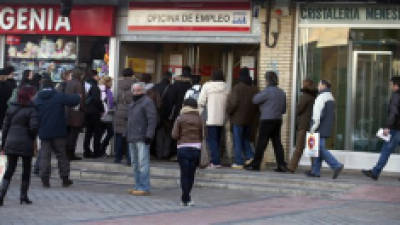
(13,40)
(37,19)
(223,16)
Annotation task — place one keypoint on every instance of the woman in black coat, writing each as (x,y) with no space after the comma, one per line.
(19,132)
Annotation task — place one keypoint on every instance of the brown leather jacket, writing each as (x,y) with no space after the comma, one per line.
(304,109)
(188,127)
(75,115)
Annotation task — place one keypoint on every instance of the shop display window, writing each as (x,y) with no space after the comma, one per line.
(51,54)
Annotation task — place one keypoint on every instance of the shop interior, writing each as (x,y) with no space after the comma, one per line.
(156,58)
(359,63)
(56,54)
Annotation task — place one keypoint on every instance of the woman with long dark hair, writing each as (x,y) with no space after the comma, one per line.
(19,132)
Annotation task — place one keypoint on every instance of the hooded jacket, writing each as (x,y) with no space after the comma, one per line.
(20,130)
(323,115)
(124,99)
(304,108)
(51,110)
(213,97)
(188,127)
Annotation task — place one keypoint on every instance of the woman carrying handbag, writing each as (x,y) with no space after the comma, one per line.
(19,132)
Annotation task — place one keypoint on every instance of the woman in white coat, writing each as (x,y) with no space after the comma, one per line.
(213,98)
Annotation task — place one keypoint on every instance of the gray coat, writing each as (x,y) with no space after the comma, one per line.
(142,120)
(124,98)
(272,103)
(20,130)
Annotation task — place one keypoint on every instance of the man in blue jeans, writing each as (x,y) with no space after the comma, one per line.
(392,127)
(142,122)
(322,122)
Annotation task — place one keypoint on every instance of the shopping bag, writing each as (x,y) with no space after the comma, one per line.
(3,166)
(312,145)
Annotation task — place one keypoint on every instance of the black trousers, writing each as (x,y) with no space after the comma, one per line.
(269,129)
(93,130)
(12,165)
(188,159)
(72,139)
(106,128)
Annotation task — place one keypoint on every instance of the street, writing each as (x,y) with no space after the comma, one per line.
(104,203)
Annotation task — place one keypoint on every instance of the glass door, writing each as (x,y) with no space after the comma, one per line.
(371,92)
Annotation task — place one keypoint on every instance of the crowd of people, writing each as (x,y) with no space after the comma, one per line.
(177,117)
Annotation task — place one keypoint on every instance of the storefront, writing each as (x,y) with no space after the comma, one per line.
(158,36)
(357,48)
(38,38)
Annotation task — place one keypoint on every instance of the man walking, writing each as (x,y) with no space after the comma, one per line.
(53,130)
(142,122)
(392,127)
(322,122)
(272,104)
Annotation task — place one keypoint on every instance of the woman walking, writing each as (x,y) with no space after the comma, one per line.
(19,132)
(188,131)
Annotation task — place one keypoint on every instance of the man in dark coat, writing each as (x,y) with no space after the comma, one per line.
(303,112)
(173,105)
(391,127)
(93,110)
(53,130)
(75,115)
(242,112)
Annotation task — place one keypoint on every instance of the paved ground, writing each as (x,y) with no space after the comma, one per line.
(89,203)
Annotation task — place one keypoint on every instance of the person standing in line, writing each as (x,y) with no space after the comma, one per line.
(75,115)
(213,99)
(19,133)
(242,112)
(107,117)
(303,112)
(6,89)
(93,111)
(142,122)
(124,99)
(272,105)
(53,130)
(174,99)
(323,118)
(188,131)
(66,76)
(392,128)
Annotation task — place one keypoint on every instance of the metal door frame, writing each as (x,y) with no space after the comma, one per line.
(352,89)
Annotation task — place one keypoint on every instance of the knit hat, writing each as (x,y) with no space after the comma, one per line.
(190,102)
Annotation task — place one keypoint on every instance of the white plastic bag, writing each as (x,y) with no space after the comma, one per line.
(3,166)
(312,145)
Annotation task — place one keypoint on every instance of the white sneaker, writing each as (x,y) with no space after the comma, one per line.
(236,166)
(212,166)
(190,204)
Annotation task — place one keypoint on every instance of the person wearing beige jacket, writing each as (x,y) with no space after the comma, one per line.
(213,100)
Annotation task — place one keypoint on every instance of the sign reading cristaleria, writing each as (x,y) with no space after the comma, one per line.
(189,16)
(349,14)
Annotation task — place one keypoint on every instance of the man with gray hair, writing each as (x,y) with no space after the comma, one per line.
(142,122)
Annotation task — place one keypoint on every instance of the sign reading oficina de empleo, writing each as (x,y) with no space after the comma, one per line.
(190,16)
(367,14)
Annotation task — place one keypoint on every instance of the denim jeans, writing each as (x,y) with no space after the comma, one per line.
(188,159)
(241,143)
(121,148)
(386,151)
(324,155)
(140,156)
(214,143)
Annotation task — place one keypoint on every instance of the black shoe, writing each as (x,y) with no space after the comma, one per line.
(281,169)
(369,174)
(24,194)
(45,182)
(88,155)
(337,171)
(310,174)
(66,182)
(3,190)
(75,158)
(252,167)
